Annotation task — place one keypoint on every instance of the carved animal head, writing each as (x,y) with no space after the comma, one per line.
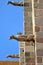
(11,37)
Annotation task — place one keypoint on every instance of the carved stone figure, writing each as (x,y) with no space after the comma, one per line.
(13,56)
(18,3)
(25,38)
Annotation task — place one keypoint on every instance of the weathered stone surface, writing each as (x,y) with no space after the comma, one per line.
(28,64)
(40,5)
(41,1)
(28,21)
(32,55)
(28,32)
(29,43)
(28,8)
(39,34)
(39,45)
(39,59)
(29,48)
(39,21)
(33,64)
(30,14)
(36,2)
(37,28)
(22,55)
(41,28)
(22,59)
(27,0)
(22,44)
(42,59)
(36,13)
(27,54)
(39,63)
(22,63)
(25,14)
(39,31)
(22,50)
(39,40)
(40,52)
(30,60)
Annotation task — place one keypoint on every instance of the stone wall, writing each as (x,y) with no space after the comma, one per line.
(28,29)
(39,30)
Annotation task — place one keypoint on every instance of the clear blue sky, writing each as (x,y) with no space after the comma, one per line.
(11,22)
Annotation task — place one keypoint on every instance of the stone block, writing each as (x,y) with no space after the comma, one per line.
(39,40)
(28,64)
(29,49)
(39,59)
(39,45)
(32,55)
(29,44)
(22,44)
(39,34)
(28,8)
(30,60)
(37,12)
(41,28)
(27,54)
(42,59)
(40,5)
(33,64)
(28,32)
(41,1)
(39,21)
(39,64)
(40,52)
(36,2)
(37,28)
(26,0)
